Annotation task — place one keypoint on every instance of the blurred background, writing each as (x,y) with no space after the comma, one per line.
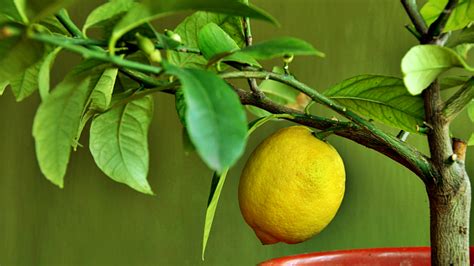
(95,221)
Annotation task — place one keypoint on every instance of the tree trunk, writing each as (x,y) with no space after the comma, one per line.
(450,206)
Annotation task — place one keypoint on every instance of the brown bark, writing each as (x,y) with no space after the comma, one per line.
(449,223)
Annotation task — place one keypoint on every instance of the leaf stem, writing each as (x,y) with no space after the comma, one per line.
(64,18)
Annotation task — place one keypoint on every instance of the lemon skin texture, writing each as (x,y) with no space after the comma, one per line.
(291,187)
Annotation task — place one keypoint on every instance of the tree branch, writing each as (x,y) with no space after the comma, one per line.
(412,10)
(89,53)
(438,25)
(360,130)
(248,42)
(459,100)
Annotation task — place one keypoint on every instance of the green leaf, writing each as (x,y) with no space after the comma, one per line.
(189,30)
(460,17)
(214,41)
(56,123)
(3,86)
(107,12)
(215,119)
(451,82)
(54,25)
(217,184)
(151,9)
(470,110)
(471,140)
(39,9)
(167,42)
(119,143)
(462,41)
(279,93)
(17,54)
(102,94)
(461,37)
(26,83)
(45,72)
(424,63)
(280,47)
(381,98)
(15,9)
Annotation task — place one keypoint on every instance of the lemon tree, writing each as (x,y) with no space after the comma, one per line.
(197,61)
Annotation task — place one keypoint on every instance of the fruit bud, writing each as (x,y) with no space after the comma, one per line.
(288,58)
(145,44)
(155,56)
(174,36)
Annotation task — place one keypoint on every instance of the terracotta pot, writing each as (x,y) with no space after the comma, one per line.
(408,256)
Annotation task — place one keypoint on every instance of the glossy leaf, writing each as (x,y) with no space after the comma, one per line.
(424,63)
(384,99)
(461,37)
(107,12)
(53,25)
(119,143)
(217,184)
(16,55)
(189,30)
(215,119)
(470,142)
(26,83)
(214,41)
(461,16)
(280,47)
(150,9)
(45,73)
(102,94)
(470,110)
(180,105)
(451,82)
(39,9)
(14,9)
(3,86)
(56,123)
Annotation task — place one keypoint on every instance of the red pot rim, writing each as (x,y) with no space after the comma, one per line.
(346,256)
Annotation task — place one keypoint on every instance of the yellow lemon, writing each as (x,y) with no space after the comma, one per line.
(291,187)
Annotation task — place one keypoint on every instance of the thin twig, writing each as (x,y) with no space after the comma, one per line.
(89,53)
(412,10)
(248,42)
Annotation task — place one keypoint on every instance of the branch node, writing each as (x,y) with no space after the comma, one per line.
(453,158)
(459,148)
(403,135)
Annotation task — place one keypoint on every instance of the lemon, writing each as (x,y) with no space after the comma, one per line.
(291,187)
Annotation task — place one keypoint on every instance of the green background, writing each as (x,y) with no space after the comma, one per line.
(94,221)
